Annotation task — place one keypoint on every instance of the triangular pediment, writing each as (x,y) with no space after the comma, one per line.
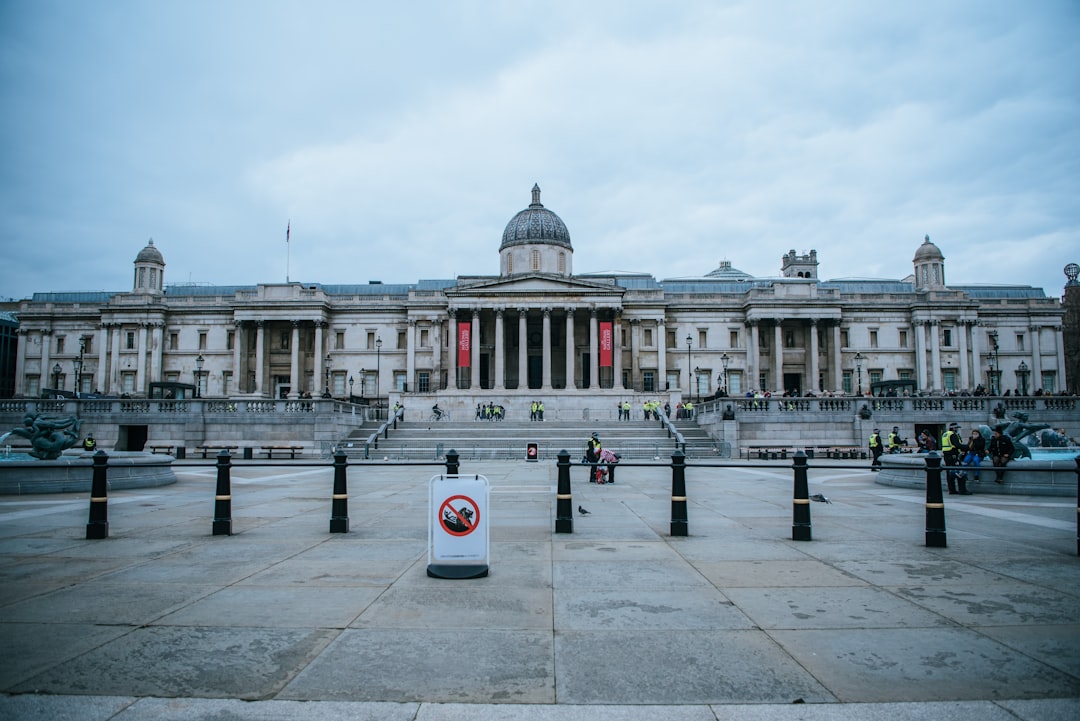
(533,285)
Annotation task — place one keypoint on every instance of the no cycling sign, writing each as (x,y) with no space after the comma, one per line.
(458,543)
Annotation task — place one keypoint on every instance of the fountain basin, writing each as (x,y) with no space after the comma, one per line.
(1026,477)
(73,473)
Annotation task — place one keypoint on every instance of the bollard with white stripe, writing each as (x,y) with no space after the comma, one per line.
(564,499)
(98,524)
(679,522)
(935,506)
(223,496)
(800,523)
(339,513)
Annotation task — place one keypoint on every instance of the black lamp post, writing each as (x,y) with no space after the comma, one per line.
(689,340)
(994,390)
(199,360)
(56,371)
(78,363)
(1022,371)
(326,384)
(363,381)
(858,369)
(378,367)
(350,389)
(724,362)
(697,384)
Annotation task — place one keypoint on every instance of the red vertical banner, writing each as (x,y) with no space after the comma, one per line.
(464,345)
(605,344)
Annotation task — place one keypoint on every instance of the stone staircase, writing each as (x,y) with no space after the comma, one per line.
(633,440)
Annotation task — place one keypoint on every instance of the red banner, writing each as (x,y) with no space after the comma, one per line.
(605,344)
(464,346)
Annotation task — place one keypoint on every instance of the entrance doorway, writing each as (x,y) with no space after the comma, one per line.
(793,382)
(131,438)
(536,371)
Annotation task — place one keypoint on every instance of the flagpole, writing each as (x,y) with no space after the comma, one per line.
(288,248)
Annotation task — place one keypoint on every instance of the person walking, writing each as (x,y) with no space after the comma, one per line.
(592,455)
(951,445)
(876,449)
(1001,450)
(976,449)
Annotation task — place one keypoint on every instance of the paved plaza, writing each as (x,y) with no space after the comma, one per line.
(618,620)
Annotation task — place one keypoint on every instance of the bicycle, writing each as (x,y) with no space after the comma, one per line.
(436,417)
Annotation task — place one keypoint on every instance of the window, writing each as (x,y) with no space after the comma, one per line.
(671,342)
(535,259)
(423,381)
(202,340)
(1049,382)
(226,382)
(174,340)
(734,383)
(875,376)
(646,339)
(873,339)
(648,382)
(763,381)
(733,339)
(401,342)
(509,263)
(673,380)
(33,386)
(284,339)
(87,343)
(562,263)
(844,339)
(703,339)
(127,382)
(846,382)
(129,340)
(946,337)
(339,340)
(59,344)
(230,340)
(789,339)
(399,381)
(424,338)
(903,339)
(905,375)
(371,340)
(1019,341)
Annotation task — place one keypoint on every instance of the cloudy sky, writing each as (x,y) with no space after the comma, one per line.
(399,138)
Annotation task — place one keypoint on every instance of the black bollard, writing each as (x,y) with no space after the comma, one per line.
(564,499)
(223,497)
(800,523)
(339,512)
(451,462)
(935,507)
(98,525)
(679,522)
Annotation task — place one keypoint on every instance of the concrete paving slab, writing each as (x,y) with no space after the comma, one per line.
(156,709)
(609,667)
(783,574)
(485,666)
(828,607)
(579,610)
(1057,646)
(245,663)
(562,712)
(276,607)
(459,605)
(31,648)
(1044,709)
(921,664)
(132,604)
(941,571)
(627,574)
(63,708)
(931,711)
(976,605)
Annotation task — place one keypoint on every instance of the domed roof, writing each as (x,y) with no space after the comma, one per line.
(150,254)
(726,272)
(928,251)
(536,224)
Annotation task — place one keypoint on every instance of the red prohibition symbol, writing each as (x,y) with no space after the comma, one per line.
(460,521)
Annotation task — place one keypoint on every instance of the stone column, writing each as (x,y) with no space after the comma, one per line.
(140,362)
(594,351)
(1035,380)
(452,347)
(814,350)
(474,345)
(837,363)
(294,361)
(965,362)
(436,353)
(523,348)
(920,354)
(238,368)
(1059,344)
(101,378)
(260,356)
(935,357)
(20,362)
(410,355)
(661,355)
(616,346)
(46,378)
(500,351)
(778,356)
(114,364)
(157,346)
(753,357)
(546,363)
(635,351)
(571,349)
(317,371)
(976,354)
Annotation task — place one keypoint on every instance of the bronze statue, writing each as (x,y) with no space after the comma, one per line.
(48,437)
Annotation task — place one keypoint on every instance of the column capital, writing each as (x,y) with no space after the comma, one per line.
(237,323)
(569,309)
(319,323)
(476,313)
(260,323)
(411,322)
(547,311)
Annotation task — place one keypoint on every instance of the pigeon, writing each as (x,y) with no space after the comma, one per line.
(819,498)
(582,511)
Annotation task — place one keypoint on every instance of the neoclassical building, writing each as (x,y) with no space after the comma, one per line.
(538,330)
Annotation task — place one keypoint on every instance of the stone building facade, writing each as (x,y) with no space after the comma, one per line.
(537,329)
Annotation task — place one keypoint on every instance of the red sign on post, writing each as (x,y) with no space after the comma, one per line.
(464,346)
(606,341)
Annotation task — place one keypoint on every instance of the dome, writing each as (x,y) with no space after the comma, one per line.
(536,224)
(927,251)
(726,272)
(150,254)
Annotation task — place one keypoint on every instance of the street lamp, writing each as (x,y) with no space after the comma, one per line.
(199,360)
(858,368)
(56,371)
(724,362)
(326,385)
(689,340)
(378,367)
(363,381)
(350,389)
(994,390)
(697,383)
(78,363)
(1022,371)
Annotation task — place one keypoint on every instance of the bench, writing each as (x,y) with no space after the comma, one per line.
(766,453)
(167,450)
(213,447)
(293,450)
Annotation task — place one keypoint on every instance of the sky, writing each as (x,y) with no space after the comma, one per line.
(396,140)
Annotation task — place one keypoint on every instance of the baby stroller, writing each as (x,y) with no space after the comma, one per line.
(606,457)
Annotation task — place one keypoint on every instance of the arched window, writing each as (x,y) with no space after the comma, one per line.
(562,262)
(509,263)
(536,260)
